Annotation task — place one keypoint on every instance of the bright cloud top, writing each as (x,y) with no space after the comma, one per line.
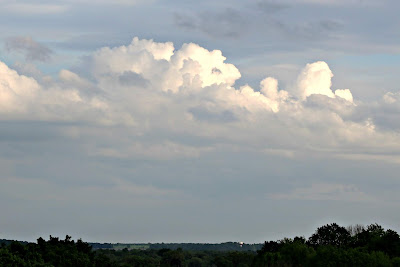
(158,67)
(153,87)
(16,91)
(316,78)
(167,69)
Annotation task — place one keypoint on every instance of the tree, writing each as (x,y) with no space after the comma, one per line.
(355,229)
(195,262)
(330,234)
(173,258)
(297,253)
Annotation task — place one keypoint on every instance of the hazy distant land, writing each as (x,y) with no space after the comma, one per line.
(330,245)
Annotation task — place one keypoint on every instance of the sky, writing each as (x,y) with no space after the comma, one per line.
(197,121)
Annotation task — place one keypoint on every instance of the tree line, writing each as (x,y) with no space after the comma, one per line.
(226,246)
(330,245)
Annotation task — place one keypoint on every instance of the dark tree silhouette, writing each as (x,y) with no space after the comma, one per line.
(330,234)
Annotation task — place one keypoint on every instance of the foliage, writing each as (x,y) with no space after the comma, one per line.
(330,234)
(333,245)
(53,252)
(330,245)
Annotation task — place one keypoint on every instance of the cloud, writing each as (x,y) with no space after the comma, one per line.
(269,87)
(34,9)
(130,78)
(33,50)
(264,20)
(167,70)
(332,2)
(24,98)
(28,69)
(383,112)
(17,92)
(210,114)
(316,78)
(109,2)
(391,98)
(42,190)
(345,94)
(326,192)
(153,89)
(270,6)
(228,23)
(72,79)
(165,151)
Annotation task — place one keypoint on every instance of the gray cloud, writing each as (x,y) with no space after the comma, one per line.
(130,78)
(270,7)
(203,114)
(265,18)
(228,23)
(304,31)
(32,50)
(185,21)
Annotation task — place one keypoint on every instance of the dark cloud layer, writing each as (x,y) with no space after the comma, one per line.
(32,50)
(228,23)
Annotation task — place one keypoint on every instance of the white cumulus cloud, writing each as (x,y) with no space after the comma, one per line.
(16,91)
(154,89)
(316,78)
